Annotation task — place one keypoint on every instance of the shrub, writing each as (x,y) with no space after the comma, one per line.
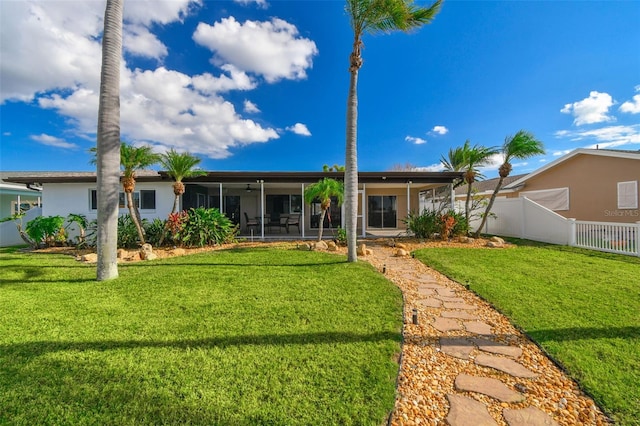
(341,238)
(127,232)
(154,231)
(206,227)
(46,230)
(461,226)
(423,225)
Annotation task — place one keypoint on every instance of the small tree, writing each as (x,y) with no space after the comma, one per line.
(323,190)
(521,145)
(180,165)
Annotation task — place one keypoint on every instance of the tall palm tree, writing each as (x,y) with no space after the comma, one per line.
(132,159)
(468,158)
(370,16)
(180,165)
(323,190)
(521,145)
(108,143)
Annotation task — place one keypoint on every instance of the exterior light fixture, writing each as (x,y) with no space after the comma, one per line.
(248,188)
(414,316)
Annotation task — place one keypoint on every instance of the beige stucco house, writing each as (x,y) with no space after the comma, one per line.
(587,184)
(601,185)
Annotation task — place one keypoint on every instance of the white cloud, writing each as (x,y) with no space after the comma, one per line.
(414,140)
(438,167)
(594,109)
(163,12)
(440,130)
(560,153)
(260,3)
(299,129)
(45,139)
(272,49)
(632,107)
(137,40)
(605,137)
(250,107)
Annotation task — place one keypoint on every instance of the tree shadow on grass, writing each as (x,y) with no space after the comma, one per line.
(320,338)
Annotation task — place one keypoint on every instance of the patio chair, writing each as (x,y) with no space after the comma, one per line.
(251,222)
(294,220)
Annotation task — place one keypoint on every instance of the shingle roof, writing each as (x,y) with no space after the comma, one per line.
(488,184)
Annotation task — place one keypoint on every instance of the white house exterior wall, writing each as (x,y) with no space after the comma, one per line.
(61,199)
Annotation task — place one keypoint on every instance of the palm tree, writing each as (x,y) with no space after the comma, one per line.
(370,16)
(521,145)
(323,190)
(180,165)
(108,143)
(468,158)
(134,158)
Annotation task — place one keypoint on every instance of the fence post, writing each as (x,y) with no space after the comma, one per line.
(637,231)
(572,231)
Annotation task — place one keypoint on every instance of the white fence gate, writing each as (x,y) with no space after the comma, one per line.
(523,218)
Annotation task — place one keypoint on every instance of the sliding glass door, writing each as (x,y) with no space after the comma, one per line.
(382,211)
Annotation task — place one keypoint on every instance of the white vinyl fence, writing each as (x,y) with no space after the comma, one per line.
(9,235)
(523,218)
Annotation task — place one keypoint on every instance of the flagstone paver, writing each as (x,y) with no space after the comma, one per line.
(446,324)
(465,411)
(457,305)
(458,347)
(458,314)
(505,365)
(437,355)
(430,302)
(529,416)
(477,327)
(487,345)
(487,386)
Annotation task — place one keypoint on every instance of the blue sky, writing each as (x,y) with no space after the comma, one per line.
(262,85)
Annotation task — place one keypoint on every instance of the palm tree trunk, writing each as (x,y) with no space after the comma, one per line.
(321,224)
(135,217)
(108,145)
(467,204)
(351,168)
(489,206)
(175,204)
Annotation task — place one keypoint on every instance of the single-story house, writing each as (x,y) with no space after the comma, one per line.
(273,199)
(600,185)
(17,197)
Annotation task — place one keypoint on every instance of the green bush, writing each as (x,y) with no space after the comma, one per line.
(461,226)
(47,230)
(127,232)
(154,231)
(423,225)
(206,227)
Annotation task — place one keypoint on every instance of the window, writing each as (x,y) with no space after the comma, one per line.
(382,211)
(144,199)
(628,195)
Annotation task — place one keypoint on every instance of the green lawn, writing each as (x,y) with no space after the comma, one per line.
(582,307)
(237,337)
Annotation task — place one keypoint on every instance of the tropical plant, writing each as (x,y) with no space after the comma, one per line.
(128,231)
(180,165)
(334,168)
(370,16)
(341,237)
(154,231)
(133,159)
(205,227)
(422,225)
(468,158)
(108,142)
(521,145)
(81,222)
(46,230)
(323,190)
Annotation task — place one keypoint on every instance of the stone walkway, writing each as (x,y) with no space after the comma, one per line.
(464,364)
